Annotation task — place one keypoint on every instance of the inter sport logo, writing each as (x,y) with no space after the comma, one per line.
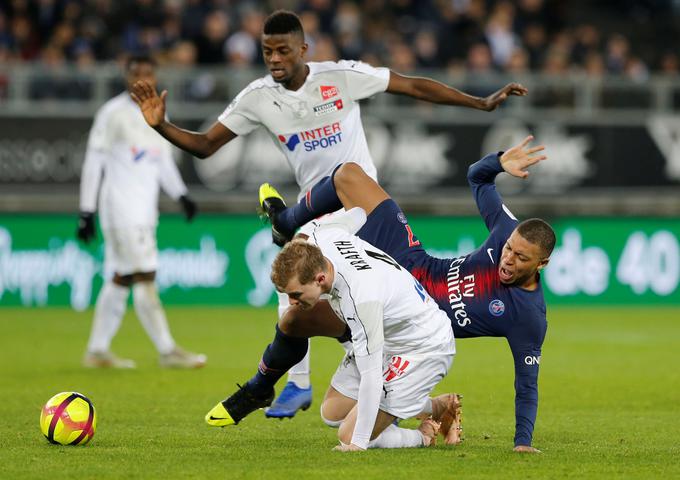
(137,154)
(322,137)
(291,142)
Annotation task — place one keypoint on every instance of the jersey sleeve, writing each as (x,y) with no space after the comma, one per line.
(526,343)
(241,116)
(481,178)
(102,131)
(363,80)
(98,149)
(90,178)
(367,342)
(368,401)
(170,179)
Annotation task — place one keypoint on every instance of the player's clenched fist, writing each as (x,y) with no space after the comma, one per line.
(151,105)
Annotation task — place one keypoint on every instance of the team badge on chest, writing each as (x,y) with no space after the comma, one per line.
(300,109)
(496,308)
(329,91)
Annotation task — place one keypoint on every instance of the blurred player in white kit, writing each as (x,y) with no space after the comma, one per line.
(311,111)
(134,162)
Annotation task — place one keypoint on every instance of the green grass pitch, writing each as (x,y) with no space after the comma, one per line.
(609,403)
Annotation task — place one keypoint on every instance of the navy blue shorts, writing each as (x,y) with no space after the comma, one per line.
(387,228)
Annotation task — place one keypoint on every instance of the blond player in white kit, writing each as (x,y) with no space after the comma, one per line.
(133,161)
(311,111)
(402,343)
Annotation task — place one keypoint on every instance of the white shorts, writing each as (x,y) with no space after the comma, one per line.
(130,250)
(407,380)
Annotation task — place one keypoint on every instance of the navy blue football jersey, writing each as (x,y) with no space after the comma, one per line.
(468,288)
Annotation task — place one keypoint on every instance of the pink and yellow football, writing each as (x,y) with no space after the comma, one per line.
(68,418)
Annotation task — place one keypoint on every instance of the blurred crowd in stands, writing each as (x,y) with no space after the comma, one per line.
(632,38)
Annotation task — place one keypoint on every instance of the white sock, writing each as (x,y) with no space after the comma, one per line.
(395,437)
(299,373)
(151,315)
(427,409)
(108,315)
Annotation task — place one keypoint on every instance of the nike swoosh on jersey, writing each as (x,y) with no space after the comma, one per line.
(489,250)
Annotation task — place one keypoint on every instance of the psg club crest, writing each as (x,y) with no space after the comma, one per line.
(496,308)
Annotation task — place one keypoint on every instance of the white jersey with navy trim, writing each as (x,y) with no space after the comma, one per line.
(134,161)
(383,305)
(316,127)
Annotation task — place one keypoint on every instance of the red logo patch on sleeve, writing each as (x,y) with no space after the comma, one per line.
(328,91)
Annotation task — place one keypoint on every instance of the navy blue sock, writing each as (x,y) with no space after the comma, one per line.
(320,200)
(279,356)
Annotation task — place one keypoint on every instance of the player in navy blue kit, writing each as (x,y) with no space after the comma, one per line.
(493,291)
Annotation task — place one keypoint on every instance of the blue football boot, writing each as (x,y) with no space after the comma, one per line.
(292,399)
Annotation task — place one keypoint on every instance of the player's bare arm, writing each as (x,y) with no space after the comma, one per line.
(516,160)
(199,144)
(437,92)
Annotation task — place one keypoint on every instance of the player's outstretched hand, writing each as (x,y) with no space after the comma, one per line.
(516,160)
(152,105)
(347,448)
(189,207)
(526,449)
(495,99)
(86,230)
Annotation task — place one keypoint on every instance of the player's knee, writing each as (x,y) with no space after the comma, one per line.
(330,418)
(288,323)
(346,175)
(145,295)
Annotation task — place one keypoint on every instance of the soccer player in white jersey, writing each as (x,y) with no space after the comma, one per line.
(311,111)
(402,343)
(134,161)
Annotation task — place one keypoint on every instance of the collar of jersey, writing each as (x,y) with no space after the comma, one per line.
(300,91)
(334,286)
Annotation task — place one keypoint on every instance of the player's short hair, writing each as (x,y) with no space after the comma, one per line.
(282,22)
(538,232)
(139,58)
(297,258)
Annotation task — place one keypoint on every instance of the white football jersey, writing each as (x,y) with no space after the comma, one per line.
(381,302)
(134,160)
(318,126)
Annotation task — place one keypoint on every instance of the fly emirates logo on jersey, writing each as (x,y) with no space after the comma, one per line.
(459,288)
(317,138)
